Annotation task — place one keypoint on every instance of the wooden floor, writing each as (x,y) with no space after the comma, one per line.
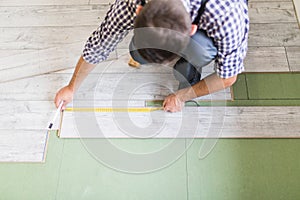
(41,40)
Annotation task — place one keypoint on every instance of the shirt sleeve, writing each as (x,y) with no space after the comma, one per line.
(115,26)
(232,41)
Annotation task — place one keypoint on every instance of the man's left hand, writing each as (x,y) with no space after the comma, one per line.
(172,103)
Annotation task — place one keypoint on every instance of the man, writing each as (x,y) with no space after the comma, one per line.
(218,30)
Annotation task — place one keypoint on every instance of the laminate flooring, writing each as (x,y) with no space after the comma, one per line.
(40,42)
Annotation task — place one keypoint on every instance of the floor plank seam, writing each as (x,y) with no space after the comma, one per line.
(287,58)
(297,14)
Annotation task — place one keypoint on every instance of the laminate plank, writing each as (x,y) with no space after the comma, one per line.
(52,15)
(26,115)
(51,2)
(266,35)
(22,145)
(297,10)
(37,38)
(22,64)
(271,12)
(293,54)
(266,59)
(44,2)
(204,122)
(104,1)
(135,86)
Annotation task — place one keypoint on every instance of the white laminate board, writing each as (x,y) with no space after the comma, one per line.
(293,54)
(38,38)
(274,35)
(266,59)
(271,12)
(133,86)
(203,122)
(76,15)
(41,2)
(297,10)
(100,1)
(23,145)
(51,2)
(26,115)
(36,62)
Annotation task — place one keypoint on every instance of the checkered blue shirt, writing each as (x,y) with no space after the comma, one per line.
(225,21)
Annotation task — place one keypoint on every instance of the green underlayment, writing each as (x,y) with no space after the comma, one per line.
(236,168)
(259,89)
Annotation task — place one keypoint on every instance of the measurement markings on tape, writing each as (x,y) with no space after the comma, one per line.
(150,109)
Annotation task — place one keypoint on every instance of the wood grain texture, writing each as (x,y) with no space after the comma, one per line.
(41,2)
(297,10)
(271,12)
(205,122)
(52,15)
(22,145)
(51,2)
(37,38)
(26,115)
(265,35)
(26,63)
(266,59)
(293,54)
(134,86)
(101,1)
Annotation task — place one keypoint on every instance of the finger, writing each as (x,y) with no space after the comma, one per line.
(165,103)
(57,102)
(65,103)
(166,109)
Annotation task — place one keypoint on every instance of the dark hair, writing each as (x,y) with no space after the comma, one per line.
(162,30)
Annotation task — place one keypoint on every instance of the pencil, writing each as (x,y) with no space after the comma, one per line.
(56,114)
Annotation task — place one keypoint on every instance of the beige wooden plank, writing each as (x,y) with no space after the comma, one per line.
(260,122)
(51,2)
(293,54)
(271,12)
(42,37)
(100,1)
(134,86)
(36,115)
(262,35)
(26,115)
(297,10)
(42,2)
(204,122)
(52,15)
(266,59)
(34,88)
(30,63)
(22,145)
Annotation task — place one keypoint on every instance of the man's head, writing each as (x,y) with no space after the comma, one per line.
(162,29)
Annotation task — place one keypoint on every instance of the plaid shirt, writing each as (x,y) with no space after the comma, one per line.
(225,21)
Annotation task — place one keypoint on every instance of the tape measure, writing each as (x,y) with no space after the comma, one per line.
(147,109)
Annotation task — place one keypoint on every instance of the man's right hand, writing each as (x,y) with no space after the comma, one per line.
(64,94)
